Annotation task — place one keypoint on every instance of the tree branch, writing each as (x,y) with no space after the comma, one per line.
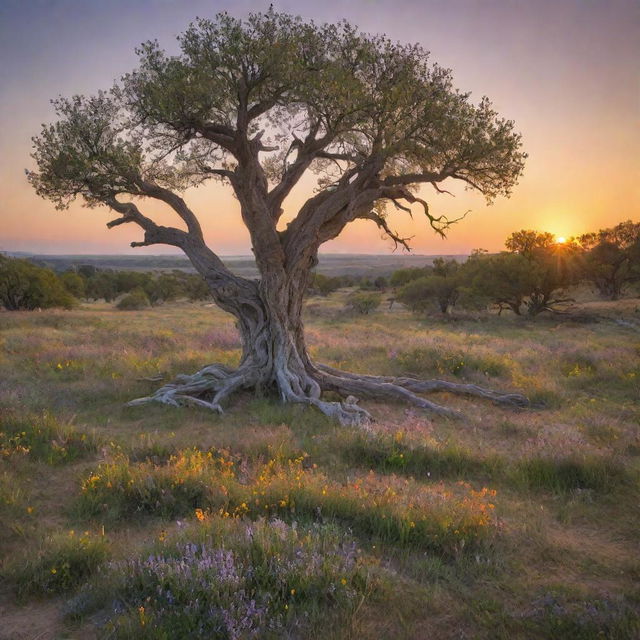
(307,151)
(153,190)
(382,224)
(153,233)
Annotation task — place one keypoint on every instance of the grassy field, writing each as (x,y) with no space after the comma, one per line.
(270,521)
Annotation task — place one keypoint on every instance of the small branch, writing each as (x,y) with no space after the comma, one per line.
(218,172)
(397,205)
(119,221)
(382,224)
(441,190)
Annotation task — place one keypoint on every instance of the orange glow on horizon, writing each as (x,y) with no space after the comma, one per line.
(574,101)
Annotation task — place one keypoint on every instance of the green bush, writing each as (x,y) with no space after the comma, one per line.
(364,302)
(25,287)
(134,301)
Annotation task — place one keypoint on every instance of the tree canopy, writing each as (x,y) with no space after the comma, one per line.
(257,104)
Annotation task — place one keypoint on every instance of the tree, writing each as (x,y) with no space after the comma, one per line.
(363,302)
(533,276)
(442,285)
(74,283)
(527,241)
(257,104)
(25,286)
(400,277)
(324,285)
(613,258)
(102,285)
(502,279)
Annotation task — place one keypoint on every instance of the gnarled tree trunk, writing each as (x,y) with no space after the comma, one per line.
(275,359)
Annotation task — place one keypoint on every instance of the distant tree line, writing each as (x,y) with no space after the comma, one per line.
(323,285)
(533,275)
(27,286)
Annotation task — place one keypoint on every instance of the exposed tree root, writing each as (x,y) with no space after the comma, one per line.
(209,387)
(215,382)
(416,385)
(371,387)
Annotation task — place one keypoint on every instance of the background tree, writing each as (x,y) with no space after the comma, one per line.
(502,279)
(364,302)
(102,285)
(442,286)
(527,241)
(257,104)
(25,286)
(74,283)
(324,285)
(400,277)
(533,276)
(612,260)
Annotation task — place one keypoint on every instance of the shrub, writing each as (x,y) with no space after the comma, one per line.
(25,286)
(134,301)
(364,302)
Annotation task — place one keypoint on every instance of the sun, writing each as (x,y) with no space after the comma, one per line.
(561,240)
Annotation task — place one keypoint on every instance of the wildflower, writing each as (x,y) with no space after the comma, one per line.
(199,515)
(293,592)
(343,581)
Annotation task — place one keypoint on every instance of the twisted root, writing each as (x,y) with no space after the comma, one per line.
(209,387)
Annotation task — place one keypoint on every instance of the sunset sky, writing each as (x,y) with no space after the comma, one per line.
(567,72)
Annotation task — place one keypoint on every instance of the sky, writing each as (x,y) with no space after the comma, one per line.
(566,71)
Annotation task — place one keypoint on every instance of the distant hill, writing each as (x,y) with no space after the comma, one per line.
(331,264)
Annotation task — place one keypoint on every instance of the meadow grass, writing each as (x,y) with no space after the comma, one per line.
(387,509)
(43,437)
(504,524)
(59,564)
(223,578)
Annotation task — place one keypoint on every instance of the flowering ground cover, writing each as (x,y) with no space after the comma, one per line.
(273,522)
